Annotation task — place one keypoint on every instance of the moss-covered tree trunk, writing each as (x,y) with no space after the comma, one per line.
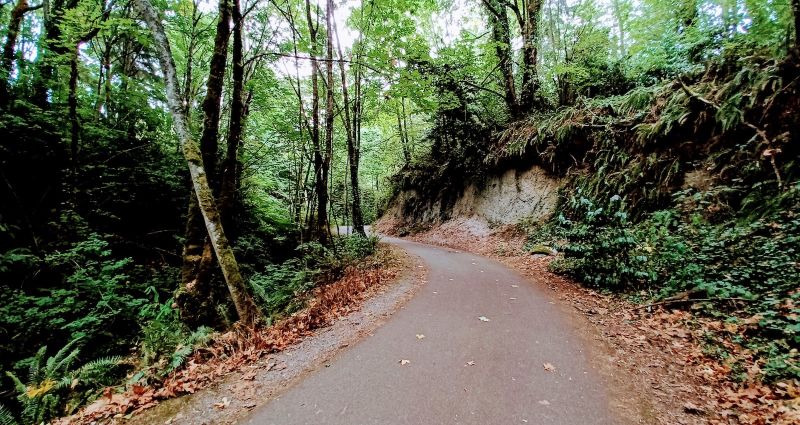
(195,295)
(245,307)
(231,167)
(501,38)
(322,217)
(50,47)
(530,51)
(796,12)
(10,46)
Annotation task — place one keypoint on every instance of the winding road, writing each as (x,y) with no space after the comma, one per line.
(478,344)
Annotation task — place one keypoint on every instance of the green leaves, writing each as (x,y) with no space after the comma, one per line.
(53,383)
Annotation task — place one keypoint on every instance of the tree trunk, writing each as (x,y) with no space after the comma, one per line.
(326,162)
(320,180)
(498,21)
(620,17)
(72,102)
(9,48)
(195,295)
(231,167)
(530,49)
(51,45)
(245,307)
(353,151)
(796,12)
(403,140)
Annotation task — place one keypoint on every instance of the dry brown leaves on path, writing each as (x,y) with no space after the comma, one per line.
(232,350)
(669,376)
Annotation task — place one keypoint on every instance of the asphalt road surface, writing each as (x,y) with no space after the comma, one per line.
(478,344)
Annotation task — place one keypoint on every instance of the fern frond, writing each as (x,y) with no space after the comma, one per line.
(35,368)
(62,360)
(63,365)
(18,385)
(99,364)
(6,418)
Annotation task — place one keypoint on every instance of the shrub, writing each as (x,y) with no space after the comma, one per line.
(280,287)
(54,387)
(600,248)
(747,258)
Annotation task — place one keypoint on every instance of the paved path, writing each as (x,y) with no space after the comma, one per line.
(465,370)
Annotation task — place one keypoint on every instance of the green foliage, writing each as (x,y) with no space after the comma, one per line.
(55,387)
(600,246)
(751,260)
(95,296)
(280,285)
(280,288)
(187,346)
(6,417)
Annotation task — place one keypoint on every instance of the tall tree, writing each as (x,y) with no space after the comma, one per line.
(530,48)
(501,38)
(329,115)
(9,48)
(245,306)
(50,47)
(353,150)
(320,225)
(194,296)
(231,168)
(796,13)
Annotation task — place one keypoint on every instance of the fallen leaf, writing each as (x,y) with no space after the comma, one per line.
(549,367)
(138,389)
(692,408)
(223,404)
(404,362)
(420,336)
(483,319)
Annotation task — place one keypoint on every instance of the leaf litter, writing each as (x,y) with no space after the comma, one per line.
(662,352)
(231,351)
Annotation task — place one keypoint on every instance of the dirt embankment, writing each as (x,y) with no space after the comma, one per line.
(502,199)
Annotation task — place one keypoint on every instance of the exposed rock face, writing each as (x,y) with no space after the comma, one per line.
(510,198)
(500,201)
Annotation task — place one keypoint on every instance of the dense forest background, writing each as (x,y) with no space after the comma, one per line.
(299,115)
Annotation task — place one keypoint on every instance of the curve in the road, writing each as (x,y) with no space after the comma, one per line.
(495,351)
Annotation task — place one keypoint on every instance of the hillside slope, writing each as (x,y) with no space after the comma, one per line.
(683,194)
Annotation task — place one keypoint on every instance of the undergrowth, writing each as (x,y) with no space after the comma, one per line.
(739,267)
(280,289)
(684,193)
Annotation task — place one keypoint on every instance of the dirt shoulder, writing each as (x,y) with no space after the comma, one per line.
(242,371)
(656,360)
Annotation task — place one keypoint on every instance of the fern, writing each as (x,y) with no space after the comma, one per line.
(6,418)
(198,338)
(53,383)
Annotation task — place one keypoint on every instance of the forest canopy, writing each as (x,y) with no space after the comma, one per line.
(172,167)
